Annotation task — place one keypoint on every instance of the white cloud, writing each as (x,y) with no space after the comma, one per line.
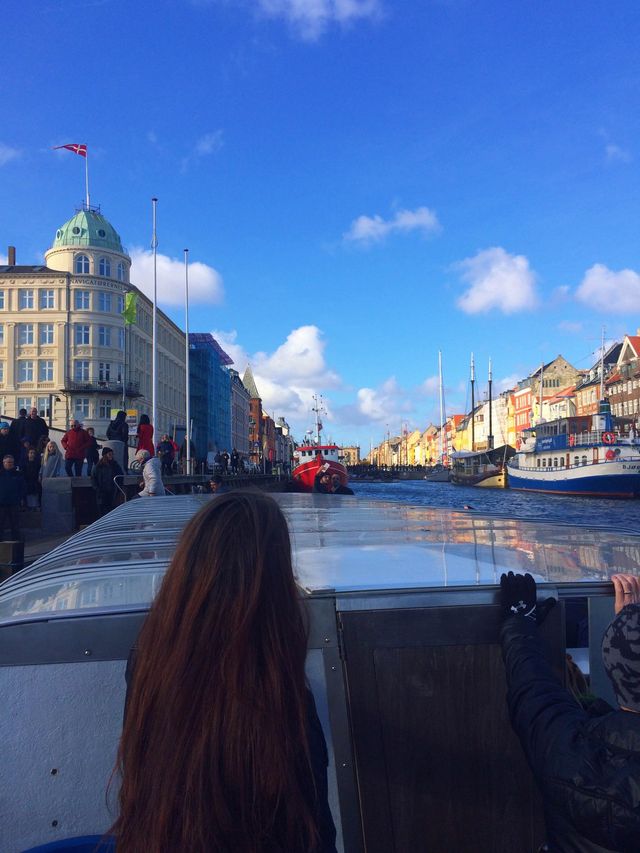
(366,230)
(209,143)
(288,377)
(430,386)
(616,154)
(384,404)
(310,19)
(608,291)
(205,283)
(570,327)
(506,383)
(206,145)
(7,154)
(498,281)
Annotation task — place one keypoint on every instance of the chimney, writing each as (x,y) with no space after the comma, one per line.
(11,256)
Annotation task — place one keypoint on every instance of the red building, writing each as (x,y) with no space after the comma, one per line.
(256,426)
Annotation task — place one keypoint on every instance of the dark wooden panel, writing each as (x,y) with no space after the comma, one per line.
(439,768)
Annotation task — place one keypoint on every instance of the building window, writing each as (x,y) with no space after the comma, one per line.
(120,339)
(82,300)
(23,403)
(45,371)
(25,334)
(46,299)
(25,300)
(82,335)
(81,407)
(105,267)
(81,371)
(46,334)
(1,334)
(120,271)
(1,371)
(82,265)
(1,300)
(104,371)
(25,371)
(104,302)
(43,407)
(104,410)
(120,304)
(104,336)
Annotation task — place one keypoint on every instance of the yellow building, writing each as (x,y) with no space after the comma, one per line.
(64,345)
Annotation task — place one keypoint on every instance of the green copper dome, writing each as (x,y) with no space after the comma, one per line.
(88,228)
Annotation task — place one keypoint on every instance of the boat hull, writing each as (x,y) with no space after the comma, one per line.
(488,480)
(602,479)
(304,475)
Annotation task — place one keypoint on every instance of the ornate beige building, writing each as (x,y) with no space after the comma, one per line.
(64,345)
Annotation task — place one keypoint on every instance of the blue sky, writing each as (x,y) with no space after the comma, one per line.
(361,183)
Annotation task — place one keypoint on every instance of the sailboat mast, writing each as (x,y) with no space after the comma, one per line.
(490,436)
(441,405)
(602,367)
(473,405)
(540,395)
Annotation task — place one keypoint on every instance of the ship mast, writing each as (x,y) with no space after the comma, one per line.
(317,408)
(473,406)
(602,367)
(441,407)
(490,436)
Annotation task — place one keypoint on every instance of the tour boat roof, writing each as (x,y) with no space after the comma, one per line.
(317,447)
(342,545)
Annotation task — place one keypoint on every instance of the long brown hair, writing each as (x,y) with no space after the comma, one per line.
(214,753)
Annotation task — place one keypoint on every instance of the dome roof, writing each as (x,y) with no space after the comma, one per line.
(89,228)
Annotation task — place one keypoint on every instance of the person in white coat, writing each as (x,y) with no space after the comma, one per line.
(151,474)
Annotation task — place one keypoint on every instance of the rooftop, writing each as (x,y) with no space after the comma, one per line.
(89,228)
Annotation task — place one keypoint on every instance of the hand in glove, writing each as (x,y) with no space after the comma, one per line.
(518,597)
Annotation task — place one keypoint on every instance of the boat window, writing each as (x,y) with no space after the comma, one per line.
(538,462)
(544,463)
(576,460)
(562,461)
(584,460)
(555,463)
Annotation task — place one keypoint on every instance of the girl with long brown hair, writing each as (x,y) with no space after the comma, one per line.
(221,749)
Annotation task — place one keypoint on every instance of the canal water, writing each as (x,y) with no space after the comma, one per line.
(598,512)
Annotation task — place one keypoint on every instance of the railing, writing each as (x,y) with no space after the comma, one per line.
(105,386)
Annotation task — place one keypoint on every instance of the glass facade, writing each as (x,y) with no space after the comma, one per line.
(210,395)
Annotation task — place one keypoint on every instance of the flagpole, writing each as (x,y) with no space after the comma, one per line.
(86,177)
(154,338)
(187,435)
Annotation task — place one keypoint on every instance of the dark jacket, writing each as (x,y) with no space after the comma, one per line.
(34,429)
(118,431)
(319,763)
(31,473)
(587,767)
(9,444)
(18,427)
(12,487)
(102,476)
(165,450)
(92,450)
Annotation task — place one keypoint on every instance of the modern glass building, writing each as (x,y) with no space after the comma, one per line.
(210,394)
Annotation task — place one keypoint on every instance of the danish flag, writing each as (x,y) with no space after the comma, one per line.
(77,149)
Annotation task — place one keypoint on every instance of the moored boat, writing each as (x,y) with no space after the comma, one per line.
(310,457)
(580,455)
(486,468)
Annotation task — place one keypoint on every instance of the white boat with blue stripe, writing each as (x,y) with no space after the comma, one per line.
(580,455)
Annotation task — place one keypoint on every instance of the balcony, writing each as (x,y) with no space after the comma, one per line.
(100,386)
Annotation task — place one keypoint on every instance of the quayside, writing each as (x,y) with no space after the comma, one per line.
(402,659)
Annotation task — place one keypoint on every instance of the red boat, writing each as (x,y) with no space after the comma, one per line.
(308,458)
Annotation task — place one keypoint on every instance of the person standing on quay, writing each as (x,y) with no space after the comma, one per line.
(145,435)
(75,442)
(102,481)
(35,428)
(118,430)
(52,462)
(9,443)
(165,452)
(92,451)
(18,426)
(235,461)
(11,493)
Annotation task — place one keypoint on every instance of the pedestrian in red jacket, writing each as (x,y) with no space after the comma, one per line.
(145,435)
(76,442)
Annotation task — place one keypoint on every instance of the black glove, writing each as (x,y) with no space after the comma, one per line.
(518,597)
